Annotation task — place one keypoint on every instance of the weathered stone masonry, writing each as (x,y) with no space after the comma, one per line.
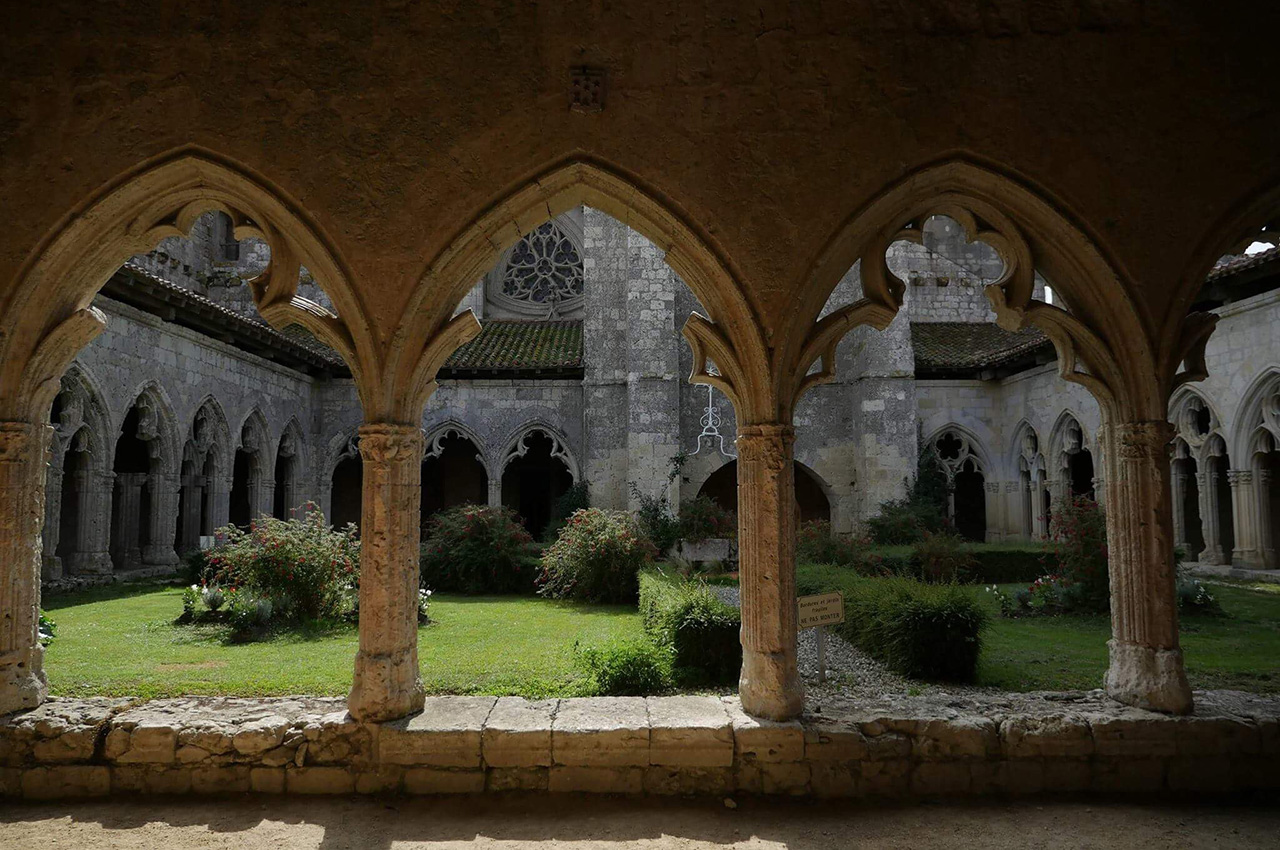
(657,745)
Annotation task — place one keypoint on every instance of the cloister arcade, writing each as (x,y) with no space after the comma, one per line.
(766,161)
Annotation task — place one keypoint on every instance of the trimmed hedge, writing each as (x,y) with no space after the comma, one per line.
(925,631)
(700,630)
(994,563)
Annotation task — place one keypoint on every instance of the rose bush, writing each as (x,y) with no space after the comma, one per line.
(478,549)
(596,558)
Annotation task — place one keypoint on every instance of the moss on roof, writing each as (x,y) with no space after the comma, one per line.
(519,345)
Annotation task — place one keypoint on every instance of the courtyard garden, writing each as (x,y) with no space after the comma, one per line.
(606,604)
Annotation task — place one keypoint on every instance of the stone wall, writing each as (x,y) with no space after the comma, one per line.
(702,745)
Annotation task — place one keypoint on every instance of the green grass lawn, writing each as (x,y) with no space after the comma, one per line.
(1240,650)
(121,640)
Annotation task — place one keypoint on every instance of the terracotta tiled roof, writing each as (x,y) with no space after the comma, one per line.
(1243,263)
(965,346)
(510,345)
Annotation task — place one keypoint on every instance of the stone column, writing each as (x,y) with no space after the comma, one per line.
(163,522)
(1262,518)
(93,533)
(387,681)
(220,501)
(324,498)
(995,522)
(1146,661)
(192,494)
(125,519)
(1013,509)
(23,458)
(1178,478)
(1100,491)
(50,563)
(770,685)
(1245,551)
(1040,520)
(266,498)
(495,491)
(1207,482)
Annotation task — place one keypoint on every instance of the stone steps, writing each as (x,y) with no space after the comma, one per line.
(631,745)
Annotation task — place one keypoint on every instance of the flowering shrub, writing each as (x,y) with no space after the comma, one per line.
(816,544)
(478,549)
(248,614)
(1194,597)
(656,521)
(703,519)
(942,558)
(1079,530)
(424,606)
(596,558)
(307,569)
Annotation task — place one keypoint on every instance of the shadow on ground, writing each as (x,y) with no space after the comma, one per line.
(540,821)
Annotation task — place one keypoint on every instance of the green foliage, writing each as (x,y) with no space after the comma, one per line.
(307,569)
(816,544)
(46,629)
(703,519)
(478,549)
(595,558)
(570,501)
(1194,597)
(656,521)
(923,510)
(195,566)
(249,615)
(942,557)
(921,630)
(630,668)
(701,632)
(1080,548)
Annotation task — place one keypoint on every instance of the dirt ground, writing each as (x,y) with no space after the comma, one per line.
(567,821)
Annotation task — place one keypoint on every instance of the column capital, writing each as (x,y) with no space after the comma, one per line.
(385,444)
(769,444)
(1142,440)
(23,442)
(1239,476)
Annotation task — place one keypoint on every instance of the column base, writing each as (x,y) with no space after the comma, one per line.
(386,687)
(159,556)
(22,681)
(1214,556)
(1149,678)
(770,685)
(50,568)
(89,563)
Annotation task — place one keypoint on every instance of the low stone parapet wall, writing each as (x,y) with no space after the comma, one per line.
(657,745)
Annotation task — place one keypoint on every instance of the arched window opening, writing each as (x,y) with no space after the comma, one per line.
(285,494)
(241,509)
(452,474)
(346,497)
(131,500)
(966,483)
(1080,472)
(812,502)
(970,502)
(1188,530)
(536,475)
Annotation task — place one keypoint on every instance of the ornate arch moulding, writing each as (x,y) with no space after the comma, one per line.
(48,315)
(735,339)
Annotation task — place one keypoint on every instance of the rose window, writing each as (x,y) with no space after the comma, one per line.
(545,268)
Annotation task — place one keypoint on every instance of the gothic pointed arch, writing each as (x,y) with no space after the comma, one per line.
(80,416)
(957,444)
(289,470)
(452,427)
(48,317)
(209,436)
(157,425)
(1259,411)
(1025,450)
(1099,342)
(731,335)
(516,445)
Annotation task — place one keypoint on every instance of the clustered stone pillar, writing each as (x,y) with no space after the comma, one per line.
(51,564)
(1146,661)
(192,503)
(1262,518)
(1244,515)
(23,458)
(163,520)
(1210,515)
(125,520)
(93,528)
(770,685)
(387,680)
(495,491)
(1178,480)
